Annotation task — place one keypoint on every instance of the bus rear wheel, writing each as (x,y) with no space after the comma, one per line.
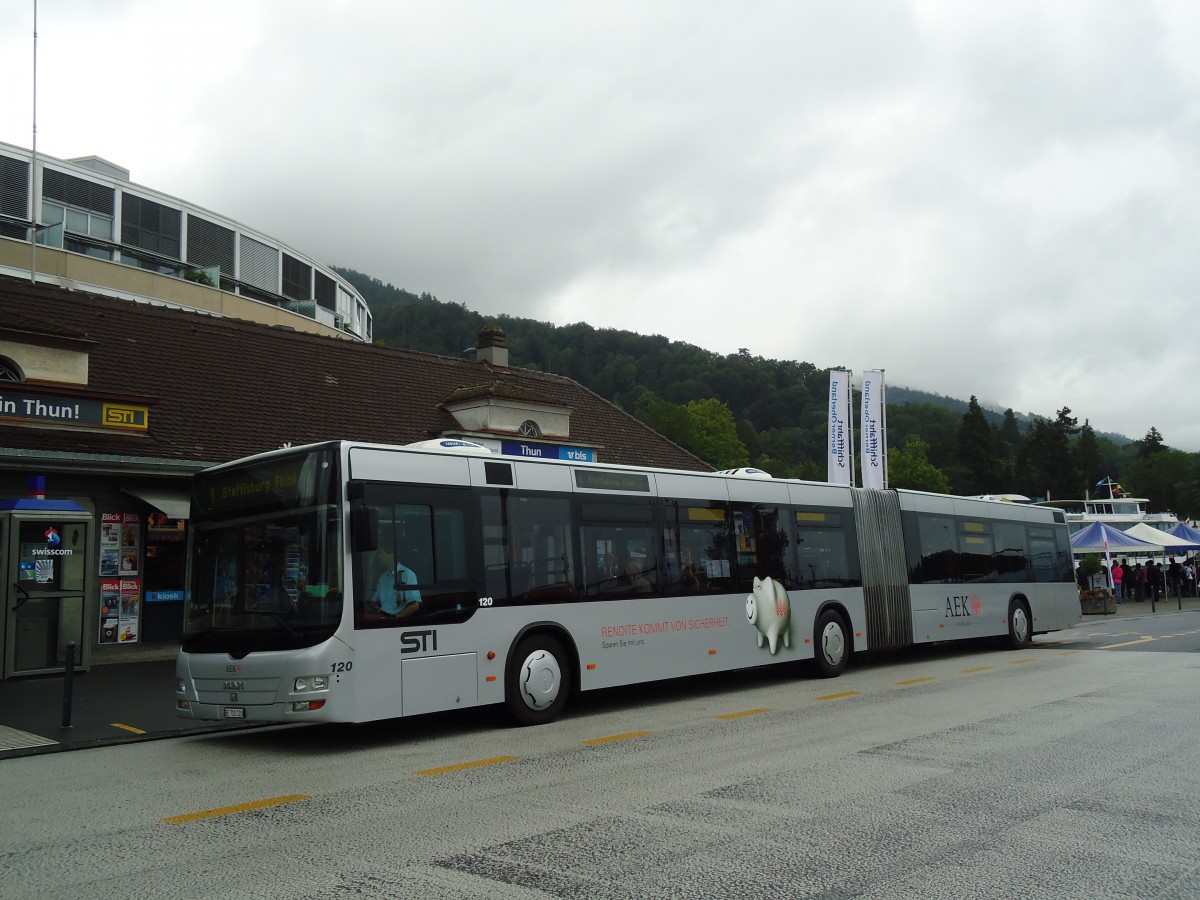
(539,681)
(832,650)
(1020,625)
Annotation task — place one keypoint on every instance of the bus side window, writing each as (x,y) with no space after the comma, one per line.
(528,547)
(698,548)
(620,549)
(763,545)
(824,558)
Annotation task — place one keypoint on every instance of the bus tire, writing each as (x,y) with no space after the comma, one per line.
(539,680)
(1020,625)
(832,648)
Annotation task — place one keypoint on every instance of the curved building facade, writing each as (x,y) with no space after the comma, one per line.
(94,229)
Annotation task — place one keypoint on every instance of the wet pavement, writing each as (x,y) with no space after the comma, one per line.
(113,703)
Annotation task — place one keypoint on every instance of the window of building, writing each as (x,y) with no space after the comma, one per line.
(297,279)
(14,189)
(10,371)
(259,264)
(529,428)
(209,244)
(151,226)
(77,192)
(78,221)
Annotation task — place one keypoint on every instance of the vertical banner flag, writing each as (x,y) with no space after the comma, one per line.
(841,448)
(874,431)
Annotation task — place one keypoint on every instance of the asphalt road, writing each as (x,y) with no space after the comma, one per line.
(1067,770)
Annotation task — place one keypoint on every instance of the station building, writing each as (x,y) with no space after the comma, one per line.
(83,224)
(108,405)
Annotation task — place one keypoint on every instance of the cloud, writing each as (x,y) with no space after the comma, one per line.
(999,201)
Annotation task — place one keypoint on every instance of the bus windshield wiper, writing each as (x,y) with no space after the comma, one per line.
(280,621)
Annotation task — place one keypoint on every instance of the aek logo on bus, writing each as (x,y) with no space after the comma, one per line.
(964,606)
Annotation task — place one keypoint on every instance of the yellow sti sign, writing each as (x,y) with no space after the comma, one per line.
(120,415)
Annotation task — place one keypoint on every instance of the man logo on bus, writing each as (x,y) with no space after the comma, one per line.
(769,611)
(52,537)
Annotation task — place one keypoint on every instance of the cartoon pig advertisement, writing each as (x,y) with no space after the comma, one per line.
(770,612)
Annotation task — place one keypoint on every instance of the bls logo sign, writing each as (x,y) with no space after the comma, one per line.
(418,641)
(118,415)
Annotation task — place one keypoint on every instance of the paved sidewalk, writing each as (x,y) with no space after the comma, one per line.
(113,703)
(1146,608)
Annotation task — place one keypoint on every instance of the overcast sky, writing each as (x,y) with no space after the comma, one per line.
(998,199)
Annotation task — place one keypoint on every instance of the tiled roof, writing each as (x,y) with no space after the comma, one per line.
(220,388)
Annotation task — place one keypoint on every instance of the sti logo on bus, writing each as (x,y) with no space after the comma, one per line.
(418,641)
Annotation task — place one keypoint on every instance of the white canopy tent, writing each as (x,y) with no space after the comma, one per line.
(1166,541)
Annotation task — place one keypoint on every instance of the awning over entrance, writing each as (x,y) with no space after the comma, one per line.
(176,504)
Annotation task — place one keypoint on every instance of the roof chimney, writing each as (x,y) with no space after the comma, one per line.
(492,346)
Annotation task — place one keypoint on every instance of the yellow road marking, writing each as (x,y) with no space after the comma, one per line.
(1142,640)
(916,680)
(128,728)
(238,808)
(840,696)
(745,712)
(617,737)
(1067,652)
(1020,662)
(977,669)
(474,764)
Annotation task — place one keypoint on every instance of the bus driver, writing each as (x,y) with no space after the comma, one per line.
(393,602)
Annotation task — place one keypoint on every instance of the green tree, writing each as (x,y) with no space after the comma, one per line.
(978,468)
(1149,445)
(1168,479)
(909,467)
(1087,456)
(1010,431)
(713,434)
(1046,465)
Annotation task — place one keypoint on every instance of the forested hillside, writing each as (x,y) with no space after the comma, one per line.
(741,409)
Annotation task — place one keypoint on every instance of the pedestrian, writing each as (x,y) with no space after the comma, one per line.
(1154,581)
(1140,581)
(1118,576)
(1175,578)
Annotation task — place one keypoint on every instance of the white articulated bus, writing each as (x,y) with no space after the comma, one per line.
(348,582)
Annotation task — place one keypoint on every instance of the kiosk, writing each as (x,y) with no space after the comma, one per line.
(45,578)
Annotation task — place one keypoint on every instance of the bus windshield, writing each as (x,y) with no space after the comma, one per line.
(266,561)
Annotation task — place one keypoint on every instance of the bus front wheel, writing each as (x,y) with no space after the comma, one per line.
(539,681)
(832,646)
(1020,625)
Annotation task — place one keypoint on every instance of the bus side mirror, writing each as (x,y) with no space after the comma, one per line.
(364,529)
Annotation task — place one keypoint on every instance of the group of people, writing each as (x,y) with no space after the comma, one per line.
(1139,582)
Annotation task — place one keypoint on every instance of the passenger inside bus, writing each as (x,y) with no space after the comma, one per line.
(636,581)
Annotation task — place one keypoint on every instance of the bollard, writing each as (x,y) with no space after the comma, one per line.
(68,685)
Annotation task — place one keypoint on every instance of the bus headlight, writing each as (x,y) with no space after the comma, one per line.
(306,683)
(180,686)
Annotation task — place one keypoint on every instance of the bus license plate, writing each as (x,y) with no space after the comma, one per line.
(235,712)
